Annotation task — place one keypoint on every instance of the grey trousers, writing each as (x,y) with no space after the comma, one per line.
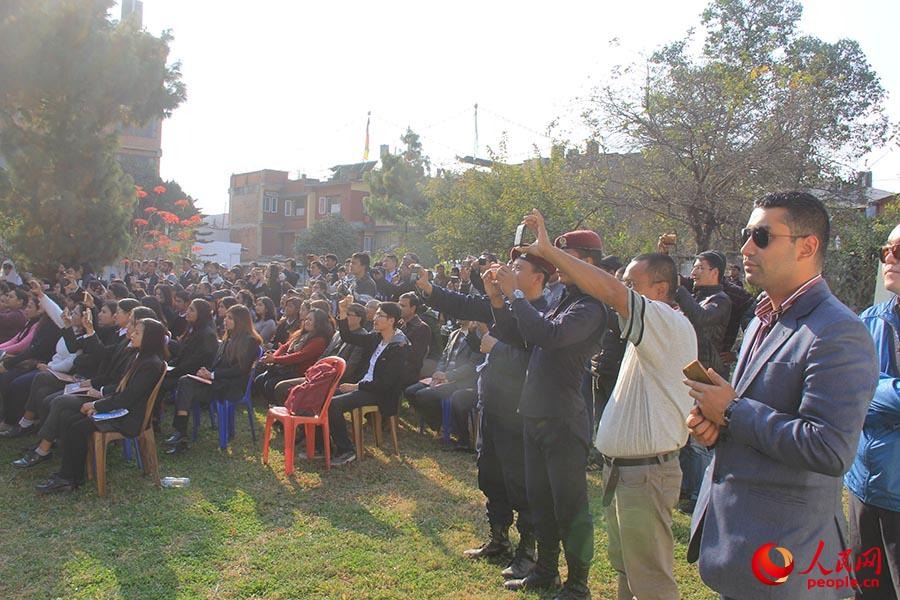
(60,405)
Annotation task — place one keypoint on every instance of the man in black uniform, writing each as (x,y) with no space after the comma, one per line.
(501,457)
(557,424)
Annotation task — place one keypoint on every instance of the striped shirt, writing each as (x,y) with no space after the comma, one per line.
(768,315)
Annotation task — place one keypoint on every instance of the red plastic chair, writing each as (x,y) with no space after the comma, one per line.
(291,422)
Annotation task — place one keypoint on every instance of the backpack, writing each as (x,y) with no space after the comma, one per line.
(308,397)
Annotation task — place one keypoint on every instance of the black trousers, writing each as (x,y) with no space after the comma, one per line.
(336,423)
(501,472)
(14,390)
(75,435)
(189,390)
(42,386)
(461,403)
(556,452)
(427,401)
(875,530)
(265,382)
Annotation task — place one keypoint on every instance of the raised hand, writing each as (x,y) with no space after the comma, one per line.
(87,321)
(535,222)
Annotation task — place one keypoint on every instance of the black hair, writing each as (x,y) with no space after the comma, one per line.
(21,295)
(332,257)
(715,260)
(363,258)
(204,314)
(414,299)
(270,309)
(152,302)
(153,341)
(142,312)
(127,304)
(183,296)
(357,309)
(661,267)
(119,290)
(806,215)
(393,311)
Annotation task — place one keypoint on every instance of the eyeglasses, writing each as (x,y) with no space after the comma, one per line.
(893,250)
(761,236)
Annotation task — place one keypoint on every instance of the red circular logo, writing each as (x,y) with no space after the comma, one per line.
(766,570)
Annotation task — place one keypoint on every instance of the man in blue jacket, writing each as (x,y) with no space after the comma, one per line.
(874,478)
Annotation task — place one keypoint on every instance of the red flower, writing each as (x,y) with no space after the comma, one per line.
(149,246)
(182,203)
(168,217)
(160,189)
(154,232)
(150,210)
(141,222)
(141,194)
(184,235)
(164,241)
(196,219)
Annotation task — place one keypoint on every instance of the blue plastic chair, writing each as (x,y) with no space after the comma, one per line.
(225,410)
(196,412)
(446,419)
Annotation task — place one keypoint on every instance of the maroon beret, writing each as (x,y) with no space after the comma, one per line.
(581,239)
(535,260)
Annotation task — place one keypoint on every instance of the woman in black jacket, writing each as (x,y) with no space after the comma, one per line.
(227,377)
(383,381)
(132,394)
(197,346)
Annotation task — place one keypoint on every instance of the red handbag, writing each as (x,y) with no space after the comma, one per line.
(308,397)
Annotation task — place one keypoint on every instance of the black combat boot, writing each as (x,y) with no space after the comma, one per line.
(544,576)
(498,545)
(523,560)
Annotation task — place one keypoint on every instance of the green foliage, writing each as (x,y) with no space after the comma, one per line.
(760,108)
(69,77)
(329,234)
(852,271)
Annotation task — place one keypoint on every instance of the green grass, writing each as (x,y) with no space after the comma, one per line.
(384,527)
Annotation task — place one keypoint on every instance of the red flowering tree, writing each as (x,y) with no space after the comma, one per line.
(165,221)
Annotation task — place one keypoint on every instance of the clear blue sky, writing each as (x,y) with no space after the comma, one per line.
(286,85)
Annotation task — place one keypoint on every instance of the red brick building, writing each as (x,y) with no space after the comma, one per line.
(268,209)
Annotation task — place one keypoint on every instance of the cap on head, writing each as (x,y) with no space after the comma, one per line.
(536,261)
(580,239)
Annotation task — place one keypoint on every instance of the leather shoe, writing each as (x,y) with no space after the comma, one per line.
(30,459)
(175,438)
(519,568)
(17,431)
(56,483)
(533,582)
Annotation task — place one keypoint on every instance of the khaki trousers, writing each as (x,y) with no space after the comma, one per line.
(639,525)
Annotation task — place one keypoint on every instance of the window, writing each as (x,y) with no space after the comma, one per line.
(300,210)
(334,206)
(368,243)
(289,208)
(270,202)
(322,204)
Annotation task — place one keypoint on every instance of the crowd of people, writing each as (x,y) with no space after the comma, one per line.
(548,363)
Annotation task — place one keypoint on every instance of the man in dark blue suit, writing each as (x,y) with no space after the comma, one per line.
(769,521)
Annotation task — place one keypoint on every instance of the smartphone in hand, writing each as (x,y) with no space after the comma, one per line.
(520,230)
(697,372)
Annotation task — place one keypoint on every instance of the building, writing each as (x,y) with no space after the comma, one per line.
(268,209)
(140,148)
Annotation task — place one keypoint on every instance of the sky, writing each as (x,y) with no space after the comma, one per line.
(287,85)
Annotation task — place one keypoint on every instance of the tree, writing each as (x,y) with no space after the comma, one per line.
(397,188)
(69,77)
(165,221)
(760,108)
(329,234)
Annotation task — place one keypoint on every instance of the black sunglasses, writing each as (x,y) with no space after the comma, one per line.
(893,250)
(761,236)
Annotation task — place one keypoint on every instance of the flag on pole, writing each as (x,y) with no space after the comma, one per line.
(366,150)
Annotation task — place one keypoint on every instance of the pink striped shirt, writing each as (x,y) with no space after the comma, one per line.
(768,315)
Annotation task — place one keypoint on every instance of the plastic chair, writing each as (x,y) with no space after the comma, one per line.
(291,422)
(196,412)
(225,410)
(358,414)
(96,457)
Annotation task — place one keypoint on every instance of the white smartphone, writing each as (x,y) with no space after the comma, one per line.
(519,231)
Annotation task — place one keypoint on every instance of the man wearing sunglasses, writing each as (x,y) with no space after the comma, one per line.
(874,478)
(786,429)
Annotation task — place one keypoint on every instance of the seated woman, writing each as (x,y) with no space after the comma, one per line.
(228,376)
(17,372)
(383,381)
(222,306)
(292,358)
(132,393)
(103,381)
(265,319)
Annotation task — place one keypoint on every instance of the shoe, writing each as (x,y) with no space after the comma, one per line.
(17,431)
(175,439)
(343,459)
(179,448)
(533,582)
(30,459)
(523,562)
(316,455)
(497,546)
(519,568)
(576,587)
(687,506)
(56,483)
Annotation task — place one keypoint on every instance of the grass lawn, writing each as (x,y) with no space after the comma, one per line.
(384,527)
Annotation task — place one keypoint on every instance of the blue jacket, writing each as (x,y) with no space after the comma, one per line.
(875,477)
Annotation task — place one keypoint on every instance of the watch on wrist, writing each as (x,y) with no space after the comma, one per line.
(518,294)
